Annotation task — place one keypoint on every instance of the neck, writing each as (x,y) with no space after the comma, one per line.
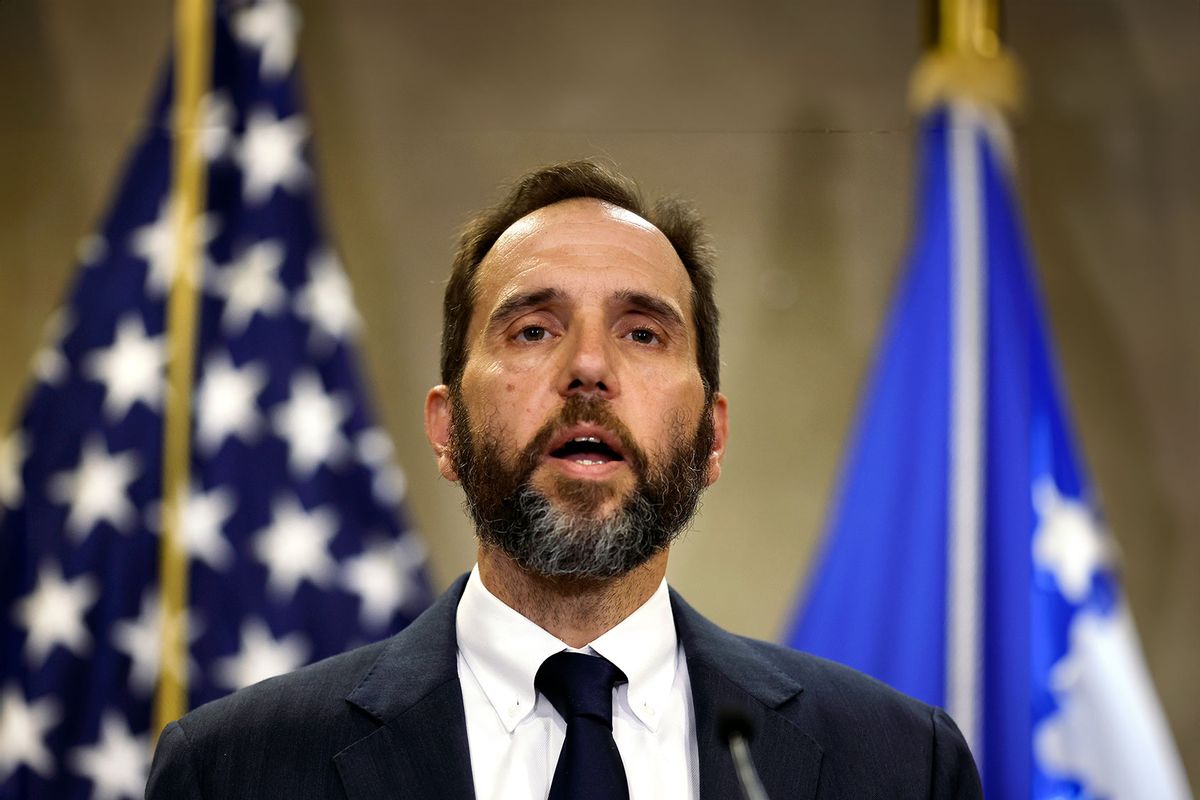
(576,610)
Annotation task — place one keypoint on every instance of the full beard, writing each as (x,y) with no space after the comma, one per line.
(569,538)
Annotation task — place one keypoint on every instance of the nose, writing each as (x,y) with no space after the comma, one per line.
(589,363)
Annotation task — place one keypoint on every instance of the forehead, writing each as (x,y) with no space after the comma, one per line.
(582,245)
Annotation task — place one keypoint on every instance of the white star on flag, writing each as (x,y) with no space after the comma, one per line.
(23,729)
(49,364)
(53,612)
(216,129)
(375,451)
(117,764)
(326,301)
(383,577)
(1068,542)
(310,421)
(140,638)
(226,402)
(91,249)
(285,469)
(156,245)
(13,451)
(97,491)
(295,547)
(250,285)
(204,516)
(131,369)
(261,656)
(271,154)
(269,26)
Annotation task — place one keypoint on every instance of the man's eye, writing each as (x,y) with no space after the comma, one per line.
(643,336)
(532,333)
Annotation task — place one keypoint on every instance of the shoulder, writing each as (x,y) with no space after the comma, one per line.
(281,732)
(312,695)
(775,674)
(834,697)
(855,720)
(315,697)
(830,679)
(284,732)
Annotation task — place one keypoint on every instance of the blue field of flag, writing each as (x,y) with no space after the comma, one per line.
(965,562)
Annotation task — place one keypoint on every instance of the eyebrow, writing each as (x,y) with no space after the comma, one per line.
(647,303)
(518,303)
(651,305)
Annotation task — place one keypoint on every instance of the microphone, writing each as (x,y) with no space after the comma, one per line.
(736,730)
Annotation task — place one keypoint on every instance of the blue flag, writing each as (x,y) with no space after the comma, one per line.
(298,543)
(965,562)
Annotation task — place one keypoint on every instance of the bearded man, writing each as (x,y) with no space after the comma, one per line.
(580,410)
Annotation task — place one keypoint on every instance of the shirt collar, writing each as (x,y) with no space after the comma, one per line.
(644,647)
(504,650)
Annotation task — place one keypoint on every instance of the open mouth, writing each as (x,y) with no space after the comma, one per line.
(586,451)
(586,448)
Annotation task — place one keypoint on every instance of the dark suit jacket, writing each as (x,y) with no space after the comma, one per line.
(387,721)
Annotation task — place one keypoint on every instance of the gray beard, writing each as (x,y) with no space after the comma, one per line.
(560,543)
(567,540)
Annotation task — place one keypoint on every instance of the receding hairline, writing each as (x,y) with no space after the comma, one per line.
(527,225)
(676,219)
(614,213)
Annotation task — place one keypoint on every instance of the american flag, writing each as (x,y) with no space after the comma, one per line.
(298,543)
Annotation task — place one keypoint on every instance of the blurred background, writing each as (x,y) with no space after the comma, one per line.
(787,125)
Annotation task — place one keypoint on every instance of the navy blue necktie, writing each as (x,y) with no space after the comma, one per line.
(580,688)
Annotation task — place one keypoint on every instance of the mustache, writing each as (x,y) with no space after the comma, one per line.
(577,410)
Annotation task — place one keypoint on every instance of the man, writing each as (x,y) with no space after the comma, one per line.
(580,411)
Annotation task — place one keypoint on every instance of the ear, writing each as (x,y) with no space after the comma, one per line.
(437,430)
(720,413)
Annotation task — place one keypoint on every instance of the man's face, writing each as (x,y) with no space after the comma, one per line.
(580,431)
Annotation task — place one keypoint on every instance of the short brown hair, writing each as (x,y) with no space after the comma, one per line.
(677,220)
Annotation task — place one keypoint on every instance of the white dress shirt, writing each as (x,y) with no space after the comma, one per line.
(515,735)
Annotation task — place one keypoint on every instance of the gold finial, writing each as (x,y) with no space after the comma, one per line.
(965,58)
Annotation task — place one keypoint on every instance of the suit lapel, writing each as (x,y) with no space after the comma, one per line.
(412,690)
(420,749)
(727,673)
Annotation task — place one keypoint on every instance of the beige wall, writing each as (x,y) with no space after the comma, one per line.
(786,123)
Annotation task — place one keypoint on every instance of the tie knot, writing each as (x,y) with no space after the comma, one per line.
(579,685)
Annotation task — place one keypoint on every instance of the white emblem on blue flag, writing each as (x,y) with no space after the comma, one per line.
(964,562)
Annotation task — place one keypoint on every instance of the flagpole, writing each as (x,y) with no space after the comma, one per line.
(966,72)
(193,36)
